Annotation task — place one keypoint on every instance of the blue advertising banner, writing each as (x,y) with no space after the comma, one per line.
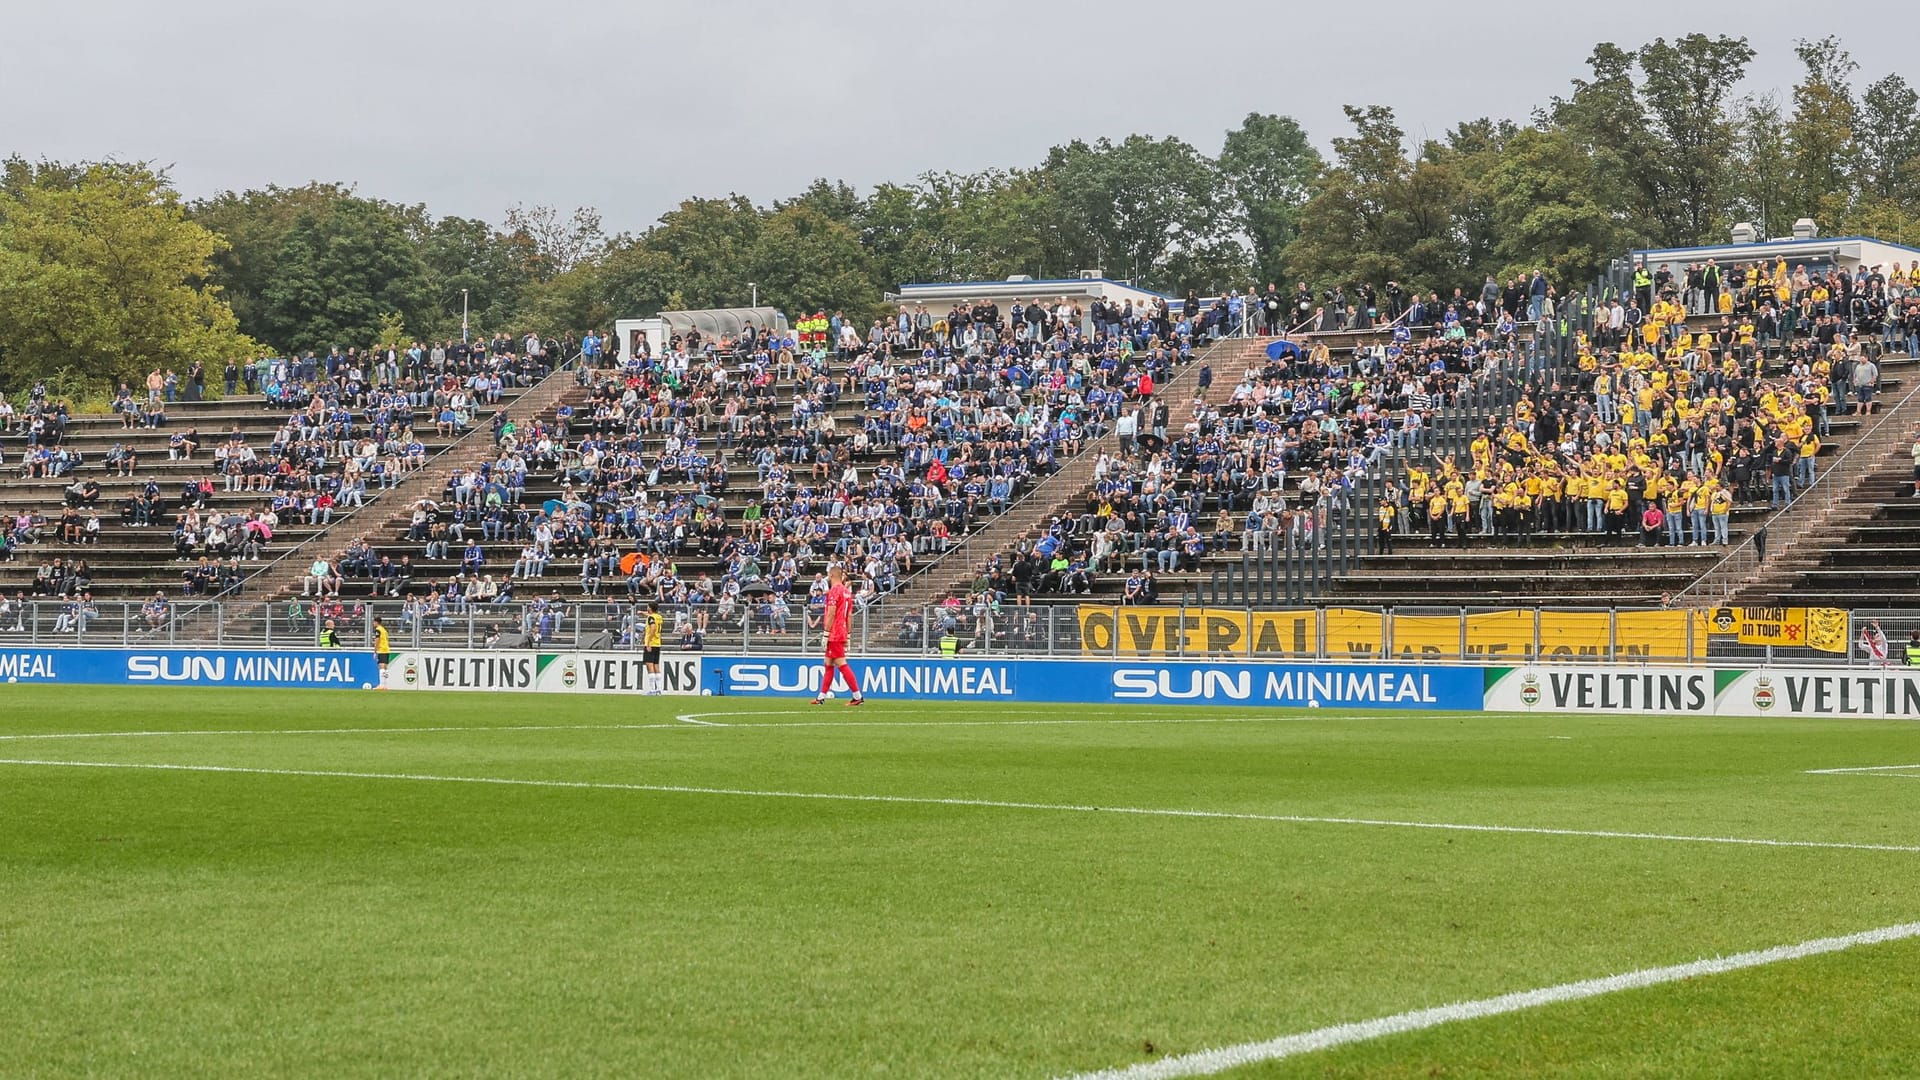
(332,669)
(1087,682)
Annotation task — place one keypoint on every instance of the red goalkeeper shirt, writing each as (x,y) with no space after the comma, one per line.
(839,613)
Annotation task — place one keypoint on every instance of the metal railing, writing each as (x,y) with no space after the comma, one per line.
(1784,526)
(963,551)
(189,609)
(763,625)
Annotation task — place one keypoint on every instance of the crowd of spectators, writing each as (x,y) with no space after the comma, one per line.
(1270,467)
(1867,304)
(762,459)
(1665,426)
(352,427)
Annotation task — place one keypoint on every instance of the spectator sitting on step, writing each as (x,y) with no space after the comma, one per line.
(77,613)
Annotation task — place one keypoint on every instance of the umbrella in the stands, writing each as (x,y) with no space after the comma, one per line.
(1283,348)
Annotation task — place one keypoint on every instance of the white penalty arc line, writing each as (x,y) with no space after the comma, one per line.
(1208,1062)
(996,804)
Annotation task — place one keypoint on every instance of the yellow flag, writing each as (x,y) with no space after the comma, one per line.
(1827,629)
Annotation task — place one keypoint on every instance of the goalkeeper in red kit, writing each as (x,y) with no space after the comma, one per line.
(839,626)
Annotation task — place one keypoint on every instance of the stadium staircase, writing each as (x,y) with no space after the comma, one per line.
(1853,540)
(1066,491)
(131,563)
(282,579)
(387,534)
(389,538)
(1580,568)
(598,613)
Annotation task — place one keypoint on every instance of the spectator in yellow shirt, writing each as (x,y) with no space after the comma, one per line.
(1720,505)
(1803,468)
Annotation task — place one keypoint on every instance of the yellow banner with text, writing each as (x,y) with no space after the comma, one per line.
(1822,629)
(1355,634)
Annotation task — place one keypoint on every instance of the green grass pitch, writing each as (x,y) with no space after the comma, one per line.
(286,919)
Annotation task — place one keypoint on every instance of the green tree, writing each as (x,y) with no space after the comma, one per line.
(711,242)
(804,260)
(1141,202)
(495,270)
(1469,154)
(1762,188)
(1607,118)
(893,229)
(551,243)
(1687,83)
(627,279)
(1268,165)
(338,270)
(318,265)
(393,331)
(1352,226)
(834,200)
(254,225)
(103,277)
(1546,211)
(1820,134)
(1887,133)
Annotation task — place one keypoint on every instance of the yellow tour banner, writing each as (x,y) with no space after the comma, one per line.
(1822,629)
(1362,634)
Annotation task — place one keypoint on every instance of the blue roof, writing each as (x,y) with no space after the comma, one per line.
(1036,283)
(1778,243)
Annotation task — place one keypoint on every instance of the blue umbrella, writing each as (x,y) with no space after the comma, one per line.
(1283,348)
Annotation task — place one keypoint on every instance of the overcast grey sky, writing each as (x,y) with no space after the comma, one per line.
(472,106)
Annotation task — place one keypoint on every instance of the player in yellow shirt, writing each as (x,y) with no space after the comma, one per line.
(382,649)
(650,646)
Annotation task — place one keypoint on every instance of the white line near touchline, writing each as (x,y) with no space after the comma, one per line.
(1208,1062)
(680,724)
(998,804)
(1882,770)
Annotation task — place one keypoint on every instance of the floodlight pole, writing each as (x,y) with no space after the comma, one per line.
(756,294)
(463,316)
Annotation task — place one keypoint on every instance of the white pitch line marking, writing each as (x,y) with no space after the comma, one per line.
(682,721)
(1208,1062)
(1884,770)
(998,804)
(343,731)
(1047,722)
